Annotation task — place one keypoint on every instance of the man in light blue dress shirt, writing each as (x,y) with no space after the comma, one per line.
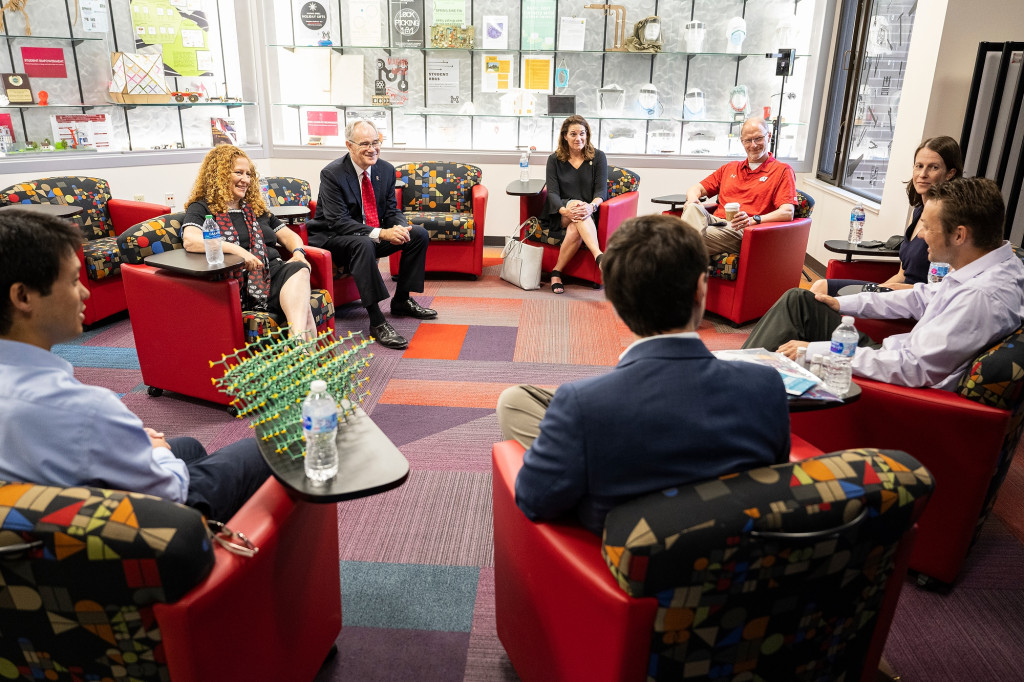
(54,430)
(980,301)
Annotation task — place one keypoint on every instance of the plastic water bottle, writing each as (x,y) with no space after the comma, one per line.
(213,242)
(838,372)
(320,428)
(524,167)
(937,271)
(856,225)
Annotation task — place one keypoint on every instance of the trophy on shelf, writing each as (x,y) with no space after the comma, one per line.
(620,23)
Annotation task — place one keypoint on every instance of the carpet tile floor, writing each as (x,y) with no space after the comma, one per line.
(417,562)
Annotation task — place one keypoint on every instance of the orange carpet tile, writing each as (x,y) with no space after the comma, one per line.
(454,393)
(437,342)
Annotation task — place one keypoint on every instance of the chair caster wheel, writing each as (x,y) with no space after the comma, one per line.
(154,391)
(597,285)
(394,278)
(232,410)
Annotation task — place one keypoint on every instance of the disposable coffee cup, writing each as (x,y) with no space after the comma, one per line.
(731,209)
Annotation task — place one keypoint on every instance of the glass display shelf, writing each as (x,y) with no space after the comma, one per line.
(79,105)
(492,51)
(477,114)
(180,105)
(74,39)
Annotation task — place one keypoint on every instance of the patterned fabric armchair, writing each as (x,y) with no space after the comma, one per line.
(101,220)
(108,585)
(790,572)
(447,200)
(744,285)
(623,195)
(969,455)
(161,303)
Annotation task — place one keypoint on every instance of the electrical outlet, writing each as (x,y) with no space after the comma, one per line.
(169,198)
(140,197)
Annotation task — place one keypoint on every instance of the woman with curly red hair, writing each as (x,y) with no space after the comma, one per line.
(227,189)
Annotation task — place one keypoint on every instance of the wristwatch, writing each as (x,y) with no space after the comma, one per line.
(299,250)
(756,219)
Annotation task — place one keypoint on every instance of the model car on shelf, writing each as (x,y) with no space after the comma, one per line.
(185,94)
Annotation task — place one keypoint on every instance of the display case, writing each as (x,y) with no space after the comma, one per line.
(65,49)
(684,97)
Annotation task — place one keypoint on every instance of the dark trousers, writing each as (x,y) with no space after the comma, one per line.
(797,316)
(219,484)
(358,255)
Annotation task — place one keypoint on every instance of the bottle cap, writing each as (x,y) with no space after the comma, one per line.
(848,319)
(209,217)
(317,386)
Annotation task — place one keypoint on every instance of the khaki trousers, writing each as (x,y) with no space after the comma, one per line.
(520,409)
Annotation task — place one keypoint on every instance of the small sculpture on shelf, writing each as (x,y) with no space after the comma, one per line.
(452,36)
(185,94)
(620,23)
(16,6)
(43,98)
(646,36)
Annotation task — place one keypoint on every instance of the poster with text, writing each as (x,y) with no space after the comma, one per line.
(311,22)
(364,23)
(322,123)
(497,73)
(495,35)
(95,16)
(406,23)
(5,122)
(182,33)
(442,81)
(223,131)
(449,13)
(538,25)
(44,62)
(538,72)
(82,130)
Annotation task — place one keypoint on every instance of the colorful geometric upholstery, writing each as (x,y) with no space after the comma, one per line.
(262,323)
(159,235)
(78,605)
(620,181)
(780,570)
(443,226)
(102,258)
(804,206)
(285,191)
(996,378)
(437,186)
(92,194)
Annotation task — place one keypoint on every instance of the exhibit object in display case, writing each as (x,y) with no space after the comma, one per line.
(620,23)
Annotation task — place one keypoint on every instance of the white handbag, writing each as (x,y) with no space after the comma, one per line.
(520,262)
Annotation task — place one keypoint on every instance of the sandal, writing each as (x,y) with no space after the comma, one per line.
(557,287)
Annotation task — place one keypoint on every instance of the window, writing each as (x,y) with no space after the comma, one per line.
(864,93)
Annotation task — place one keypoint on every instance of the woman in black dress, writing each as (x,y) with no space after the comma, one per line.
(227,189)
(577,180)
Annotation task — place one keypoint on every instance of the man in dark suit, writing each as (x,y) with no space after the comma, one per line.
(670,413)
(358,221)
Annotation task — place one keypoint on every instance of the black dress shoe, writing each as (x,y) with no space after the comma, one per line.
(388,337)
(410,308)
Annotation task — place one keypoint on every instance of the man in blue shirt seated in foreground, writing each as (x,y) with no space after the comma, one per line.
(670,413)
(979,302)
(55,430)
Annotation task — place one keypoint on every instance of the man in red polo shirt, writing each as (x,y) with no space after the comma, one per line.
(764,188)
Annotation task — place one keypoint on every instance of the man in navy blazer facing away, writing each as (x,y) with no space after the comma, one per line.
(670,413)
(358,221)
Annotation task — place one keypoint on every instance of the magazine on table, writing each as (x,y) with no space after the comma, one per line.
(798,380)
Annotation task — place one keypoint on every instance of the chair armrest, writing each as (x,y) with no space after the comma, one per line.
(321,276)
(882,329)
(124,213)
(613,212)
(479,201)
(553,591)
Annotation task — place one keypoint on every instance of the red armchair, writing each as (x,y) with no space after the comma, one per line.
(153,598)
(561,613)
(867,270)
(623,195)
(103,218)
(448,201)
(183,323)
(966,439)
(744,286)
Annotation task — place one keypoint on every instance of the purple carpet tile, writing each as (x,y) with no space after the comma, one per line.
(116,335)
(367,654)
(486,660)
(177,415)
(435,517)
(959,636)
(117,380)
(995,561)
(406,423)
(547,374)
(489,343)
(465,447)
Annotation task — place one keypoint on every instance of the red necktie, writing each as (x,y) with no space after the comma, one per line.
(369,202)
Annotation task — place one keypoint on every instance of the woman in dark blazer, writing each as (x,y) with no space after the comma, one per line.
(577,181)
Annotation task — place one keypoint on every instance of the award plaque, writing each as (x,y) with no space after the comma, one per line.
(16,87)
